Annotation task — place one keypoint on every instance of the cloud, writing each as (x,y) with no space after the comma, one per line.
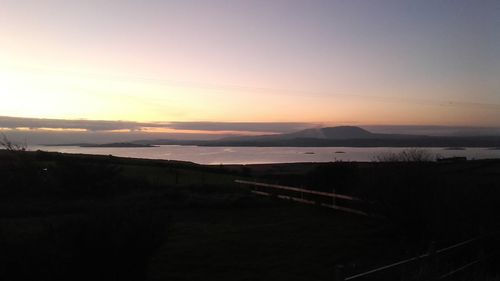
(90,125)
(102,125)
(57,131)
(272,127)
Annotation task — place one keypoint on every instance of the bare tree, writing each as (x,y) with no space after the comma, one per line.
(10,146)
(407,155)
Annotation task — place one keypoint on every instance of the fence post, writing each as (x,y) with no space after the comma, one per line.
(482,246)
(432,262)
(339,273)
(404,268)
(334,200)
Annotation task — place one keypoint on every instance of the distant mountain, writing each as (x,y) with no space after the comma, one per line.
(346,132)
(343,132)
(331,133)
(337,137)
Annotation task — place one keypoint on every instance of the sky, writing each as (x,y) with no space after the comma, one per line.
(391,62)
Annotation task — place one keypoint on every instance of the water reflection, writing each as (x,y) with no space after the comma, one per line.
(254,155)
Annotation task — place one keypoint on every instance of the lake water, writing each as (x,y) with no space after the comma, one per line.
(256,155)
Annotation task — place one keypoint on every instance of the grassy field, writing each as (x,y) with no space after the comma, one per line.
(273,242)
(83,217)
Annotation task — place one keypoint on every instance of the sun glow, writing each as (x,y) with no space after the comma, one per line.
(64,92)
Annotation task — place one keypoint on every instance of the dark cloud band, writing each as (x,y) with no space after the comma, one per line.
(91,125)
(102,125)
(242,126)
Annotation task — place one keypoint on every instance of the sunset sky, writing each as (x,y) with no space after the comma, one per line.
(324,62)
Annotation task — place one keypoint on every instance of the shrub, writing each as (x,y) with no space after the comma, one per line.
(407,155)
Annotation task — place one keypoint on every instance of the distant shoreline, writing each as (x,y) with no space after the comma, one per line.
(132,145)
(106,145)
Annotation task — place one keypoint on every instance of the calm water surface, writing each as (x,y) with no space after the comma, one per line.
(254,155)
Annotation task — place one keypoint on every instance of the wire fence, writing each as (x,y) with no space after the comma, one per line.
(431,261)
(427,264)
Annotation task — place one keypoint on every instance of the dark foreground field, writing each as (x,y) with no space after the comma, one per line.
(77,217)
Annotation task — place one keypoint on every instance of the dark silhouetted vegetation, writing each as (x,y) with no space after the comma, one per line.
(407,155)
(88,217)
(69,220)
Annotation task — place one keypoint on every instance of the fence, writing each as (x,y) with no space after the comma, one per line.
(429,261)
(272,188)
